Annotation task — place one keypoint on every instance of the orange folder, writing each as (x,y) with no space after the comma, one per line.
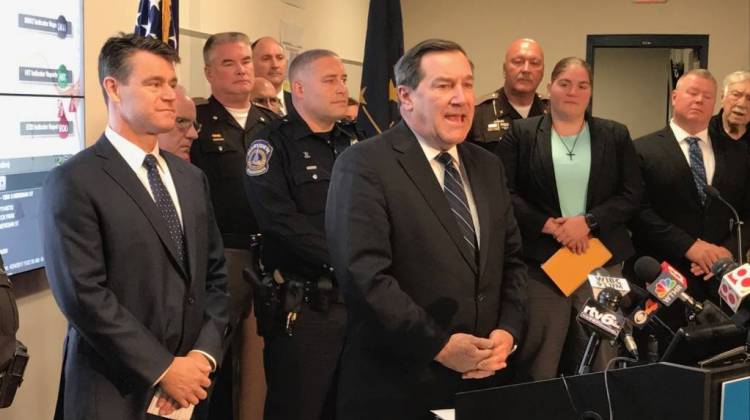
(568,270)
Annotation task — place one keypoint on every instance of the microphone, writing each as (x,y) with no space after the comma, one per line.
(602,318)
(600,280)
(629,341)
(668,284)
(714,193)
(734,289)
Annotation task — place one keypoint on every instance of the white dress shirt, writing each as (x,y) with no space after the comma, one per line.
(282,104)
(439,170)
(705,144)
(134,157)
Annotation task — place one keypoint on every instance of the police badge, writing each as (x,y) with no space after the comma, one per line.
(258,158)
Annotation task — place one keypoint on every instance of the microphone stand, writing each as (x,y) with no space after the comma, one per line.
(713,192)
(592,347)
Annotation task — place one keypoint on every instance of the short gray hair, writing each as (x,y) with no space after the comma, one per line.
(735,77)
(222,38)
(407,70)
(700,73)
(302,61)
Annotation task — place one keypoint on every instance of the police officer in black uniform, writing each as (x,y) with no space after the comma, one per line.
(288,169)
(523,68)
(229,121)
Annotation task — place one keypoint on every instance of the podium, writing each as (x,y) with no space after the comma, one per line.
(660,391)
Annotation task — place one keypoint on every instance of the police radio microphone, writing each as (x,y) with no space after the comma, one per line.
(714,193)
(603,320)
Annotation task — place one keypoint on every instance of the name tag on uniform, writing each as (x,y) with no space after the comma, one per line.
(311,168)
(493,126)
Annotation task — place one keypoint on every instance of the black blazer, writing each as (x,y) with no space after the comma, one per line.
(113,270)
(614,188)
(409,282)
(672,217)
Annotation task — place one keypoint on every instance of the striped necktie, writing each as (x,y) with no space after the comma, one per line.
(456,195)
(697,167)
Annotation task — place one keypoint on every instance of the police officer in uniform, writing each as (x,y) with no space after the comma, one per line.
(229,120)
(288,169)
(523,68)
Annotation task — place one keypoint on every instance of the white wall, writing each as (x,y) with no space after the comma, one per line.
(485,27)
(631,86)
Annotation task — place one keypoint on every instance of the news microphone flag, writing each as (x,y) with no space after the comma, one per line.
(642,314)
(599,281)
(668,286)
(159,19)
(601,319)
(735,286)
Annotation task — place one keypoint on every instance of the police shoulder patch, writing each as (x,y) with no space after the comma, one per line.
(258,157)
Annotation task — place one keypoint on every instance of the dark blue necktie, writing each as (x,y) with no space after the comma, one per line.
(165,205)
(454,192)
(697,166)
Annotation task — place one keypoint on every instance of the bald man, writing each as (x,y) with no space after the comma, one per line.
(179,139)
(523,68)
(263,94)
(270,62)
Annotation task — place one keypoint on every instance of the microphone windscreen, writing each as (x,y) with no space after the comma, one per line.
(646,269)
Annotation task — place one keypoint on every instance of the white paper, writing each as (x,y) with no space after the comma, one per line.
(179,414)
(446,414)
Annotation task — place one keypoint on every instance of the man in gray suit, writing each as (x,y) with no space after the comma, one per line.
(134,257)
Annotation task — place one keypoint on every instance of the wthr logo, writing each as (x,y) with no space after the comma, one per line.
(664,286)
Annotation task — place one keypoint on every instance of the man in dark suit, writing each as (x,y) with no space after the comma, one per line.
(270,62)
(426,249)
(134,257)
(679,222)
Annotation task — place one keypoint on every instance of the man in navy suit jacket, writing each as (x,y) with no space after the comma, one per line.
(134,257)
(426,249)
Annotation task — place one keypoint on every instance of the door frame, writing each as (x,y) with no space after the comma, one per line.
(697,42)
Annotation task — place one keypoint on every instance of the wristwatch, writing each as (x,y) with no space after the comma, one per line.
(591,222)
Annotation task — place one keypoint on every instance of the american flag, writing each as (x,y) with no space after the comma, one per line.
(158,19)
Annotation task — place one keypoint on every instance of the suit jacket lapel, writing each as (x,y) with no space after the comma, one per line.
(414,163)
(544,154)
(480,194)
(116,167)
(598,142)
(187,208)
(673,153)
(720,159)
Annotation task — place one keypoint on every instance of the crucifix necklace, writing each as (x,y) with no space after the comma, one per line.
(571,149)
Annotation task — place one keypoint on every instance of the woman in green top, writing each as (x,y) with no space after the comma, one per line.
(572,177)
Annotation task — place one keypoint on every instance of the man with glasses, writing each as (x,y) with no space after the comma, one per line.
(264,95)
(179,139)
(229,122)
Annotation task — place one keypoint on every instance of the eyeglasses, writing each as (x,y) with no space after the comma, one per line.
(267,102)
(184,124)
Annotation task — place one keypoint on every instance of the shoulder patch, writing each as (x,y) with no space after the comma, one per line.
(258,157)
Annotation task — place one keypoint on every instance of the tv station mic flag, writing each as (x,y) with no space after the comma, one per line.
(159,19)
(384,45)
